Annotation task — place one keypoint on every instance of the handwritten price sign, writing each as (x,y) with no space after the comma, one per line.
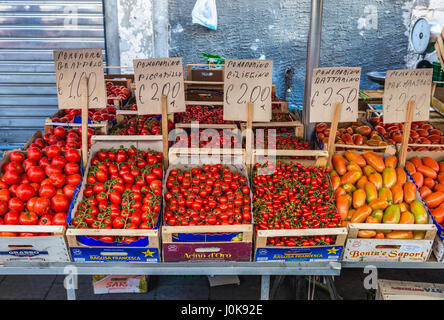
(402,86)
(247,81)
(157,77)
(71,67)
(333,85)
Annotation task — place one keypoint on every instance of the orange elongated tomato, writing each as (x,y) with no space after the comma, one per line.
(431,163)
(407,218)
(424,191)
(401,177)
(409,192)
(355,157)
(368,170)
(342,206)
(335,182)
(391,162)
(439,187)
(418,178)
(351,177)
(374,160)
(399,234)
(410,167)
(441,166)
(427,171)
(361,214)
(429,183)
(389,177)
(339,163)
(397,193)
(379,235)
(379,204)
(370,192)
(366,233)
(361,182)
(353,166)
(376,179)
(441,178)
(438,214)
(416,162)
(385,194)
(434,199)
(358,198)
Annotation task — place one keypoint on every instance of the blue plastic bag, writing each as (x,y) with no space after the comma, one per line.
(205,13)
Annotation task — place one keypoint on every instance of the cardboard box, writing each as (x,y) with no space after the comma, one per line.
(406,290)
(103,284)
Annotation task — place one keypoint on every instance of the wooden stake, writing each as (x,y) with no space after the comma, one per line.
(406,134)
(84,103)
(163,100)
(249,136)
(333,129)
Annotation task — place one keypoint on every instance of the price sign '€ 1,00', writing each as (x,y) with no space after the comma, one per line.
(71,67)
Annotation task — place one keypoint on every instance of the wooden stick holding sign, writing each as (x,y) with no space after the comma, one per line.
(405,137)
(84,104)
(333,129)
(164,103)
(249,136)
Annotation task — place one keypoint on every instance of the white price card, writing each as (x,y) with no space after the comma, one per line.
(247,81)
(402,86)
(155,78)
(330,86)
(71,66)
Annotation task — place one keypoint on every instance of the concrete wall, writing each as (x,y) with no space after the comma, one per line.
(371,34)
(135,19)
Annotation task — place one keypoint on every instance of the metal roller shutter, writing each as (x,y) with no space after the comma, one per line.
(29,31)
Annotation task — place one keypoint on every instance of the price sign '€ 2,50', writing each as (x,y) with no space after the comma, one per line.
(157,77)
(330,86)
(402,86)
(247,81)
(71,66)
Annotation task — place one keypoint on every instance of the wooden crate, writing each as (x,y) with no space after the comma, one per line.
(50,248)
(407,290)
(340,147)
(120,115)
(296,124)
(231,242)
(46,248)
(104,126)
(402,250)
(262,252)
(123,253)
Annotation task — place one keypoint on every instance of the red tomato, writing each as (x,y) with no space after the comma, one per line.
(11,218)
(47,191)
(59,219)
(25,191)
(60,203)
(36,174)
(28,218)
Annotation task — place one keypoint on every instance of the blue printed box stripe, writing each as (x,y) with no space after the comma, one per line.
(115,254)
(23,253)
(330,253)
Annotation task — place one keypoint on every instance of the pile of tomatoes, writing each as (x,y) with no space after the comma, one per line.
(202,114)
(372,189)
(140,125)
(102,114)
(292,196)
(207,139)
(208,195)
(282,142)
(63,138)
(421,132)
(280,117)
(123,191)
(37,187)
(428,175)
(358,133)
(113,91)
